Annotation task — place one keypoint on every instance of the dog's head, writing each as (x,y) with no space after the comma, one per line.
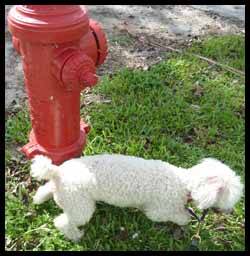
(213,184)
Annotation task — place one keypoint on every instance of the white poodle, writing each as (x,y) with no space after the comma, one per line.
(159,189)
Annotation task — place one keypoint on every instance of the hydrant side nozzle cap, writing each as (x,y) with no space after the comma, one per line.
(101,41)
(79,70)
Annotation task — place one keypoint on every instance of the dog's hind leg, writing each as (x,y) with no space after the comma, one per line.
(75,216)
(82,211)
(181,217)
(43,193)
(69,229)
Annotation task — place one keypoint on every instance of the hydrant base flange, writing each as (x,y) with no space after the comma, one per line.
(33,148)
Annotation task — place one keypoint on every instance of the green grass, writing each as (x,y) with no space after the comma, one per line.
(179,111)
(228,50)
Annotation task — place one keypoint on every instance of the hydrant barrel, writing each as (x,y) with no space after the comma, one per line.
(60,49)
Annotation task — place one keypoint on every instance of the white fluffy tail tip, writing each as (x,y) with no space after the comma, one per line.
(42,168)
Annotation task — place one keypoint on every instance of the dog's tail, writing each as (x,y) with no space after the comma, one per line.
(43,169)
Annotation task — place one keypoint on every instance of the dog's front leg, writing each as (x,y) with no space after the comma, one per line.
(70,230)
(181,217)
(43,193)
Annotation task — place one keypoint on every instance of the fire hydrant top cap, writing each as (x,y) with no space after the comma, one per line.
(48,23)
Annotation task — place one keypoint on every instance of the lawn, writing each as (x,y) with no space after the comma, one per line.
(180,110)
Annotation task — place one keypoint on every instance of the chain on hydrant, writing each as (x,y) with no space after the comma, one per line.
(60,48)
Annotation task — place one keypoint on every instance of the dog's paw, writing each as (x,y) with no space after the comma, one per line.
(43,194)
(37,199)
(76,237)
(70,231)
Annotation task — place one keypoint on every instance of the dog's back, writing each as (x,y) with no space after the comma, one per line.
(133,179)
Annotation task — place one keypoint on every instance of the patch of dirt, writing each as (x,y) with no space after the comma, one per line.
(171,25)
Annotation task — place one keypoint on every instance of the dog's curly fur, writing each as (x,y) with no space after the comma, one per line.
(157,188)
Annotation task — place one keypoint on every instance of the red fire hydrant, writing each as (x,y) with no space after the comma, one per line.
(60,49)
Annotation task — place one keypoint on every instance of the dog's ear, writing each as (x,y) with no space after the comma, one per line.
(207,192)
(214,184)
